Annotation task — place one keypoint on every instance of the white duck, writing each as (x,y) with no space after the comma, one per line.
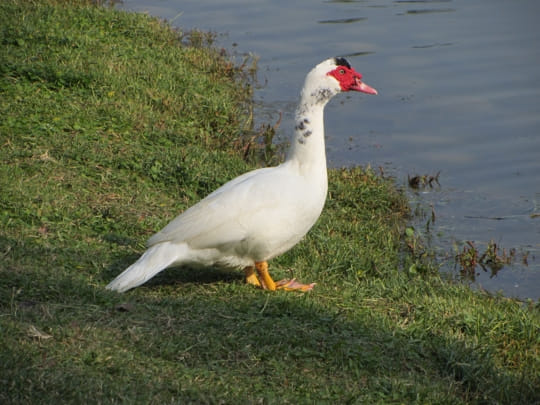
(262,213)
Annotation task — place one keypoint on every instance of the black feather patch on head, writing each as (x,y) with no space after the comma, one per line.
(342,62)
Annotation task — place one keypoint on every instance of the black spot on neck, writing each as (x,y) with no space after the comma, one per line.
(302,124)
(321,96)
(342,62)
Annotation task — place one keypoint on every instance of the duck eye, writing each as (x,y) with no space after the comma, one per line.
(342,71)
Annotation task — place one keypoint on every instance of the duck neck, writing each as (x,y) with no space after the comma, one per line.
(307,149)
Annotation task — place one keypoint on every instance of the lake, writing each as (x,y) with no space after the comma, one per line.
(459,94)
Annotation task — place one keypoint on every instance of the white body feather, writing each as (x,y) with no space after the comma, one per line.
(255,216)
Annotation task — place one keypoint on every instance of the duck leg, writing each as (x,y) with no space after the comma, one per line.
(263,279)
(251,277)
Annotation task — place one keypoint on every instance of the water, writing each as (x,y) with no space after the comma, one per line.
(459,93)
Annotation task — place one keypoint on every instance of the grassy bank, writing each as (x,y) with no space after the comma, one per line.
(110,125)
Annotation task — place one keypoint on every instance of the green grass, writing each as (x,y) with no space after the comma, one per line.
(111,124)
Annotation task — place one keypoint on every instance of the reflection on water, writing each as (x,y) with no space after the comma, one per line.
(353,54)
(430,10)
(422,1)
(342,20)
(459,93)
(432,45)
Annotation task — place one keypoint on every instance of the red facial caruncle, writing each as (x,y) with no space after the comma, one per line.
(349,79)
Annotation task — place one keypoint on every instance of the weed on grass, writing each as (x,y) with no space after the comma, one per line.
(112,123)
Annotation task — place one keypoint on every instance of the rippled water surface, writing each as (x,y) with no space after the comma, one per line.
(459,93)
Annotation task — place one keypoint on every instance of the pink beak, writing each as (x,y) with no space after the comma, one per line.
(362,87)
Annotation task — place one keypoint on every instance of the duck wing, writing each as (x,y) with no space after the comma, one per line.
(230,214)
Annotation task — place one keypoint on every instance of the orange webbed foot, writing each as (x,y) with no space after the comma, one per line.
(293,285)
(258,276)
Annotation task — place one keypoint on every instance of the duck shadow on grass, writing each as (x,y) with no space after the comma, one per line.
(211,343)
(248,333)
(294,344)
